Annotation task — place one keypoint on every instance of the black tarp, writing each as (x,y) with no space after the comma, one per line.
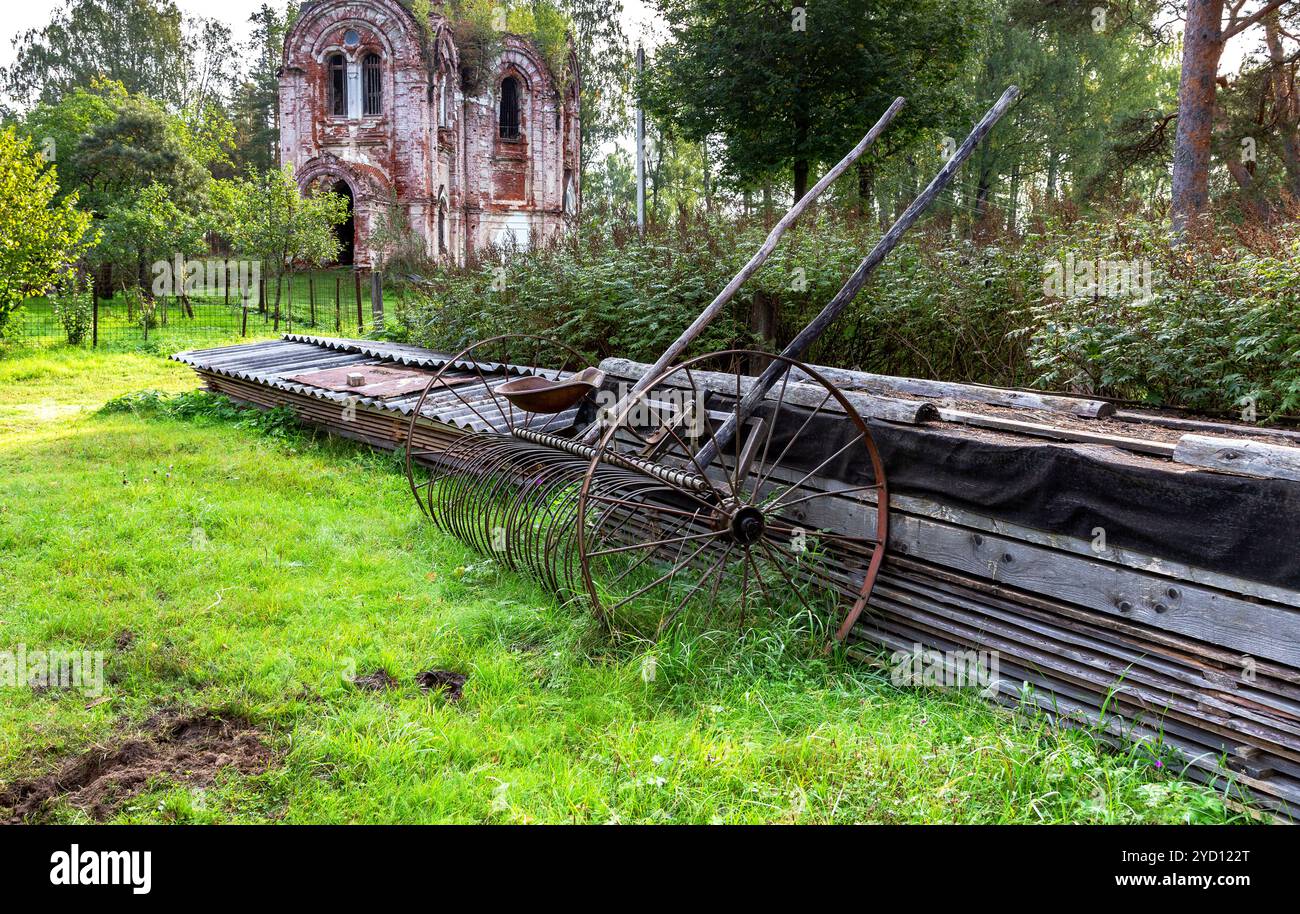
(1240,526)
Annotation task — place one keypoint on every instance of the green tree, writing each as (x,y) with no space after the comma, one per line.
(255,106)
(141,230)
(609,188)
(118,153)
(57,128)
(41,236)
(139,147)
(1082,77)
(788,88)
(139,43)
(605,64)
(269,220)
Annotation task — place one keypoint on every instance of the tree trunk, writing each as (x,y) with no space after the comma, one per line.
(762,324)
(1053,167)
(1202,47)
(866,188)
(1256,207)
(979,216)
(1286,103)
(103,280)
(800,179)
(708,178)
(1014,191)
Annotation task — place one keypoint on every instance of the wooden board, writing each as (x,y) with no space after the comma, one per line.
(1232,455)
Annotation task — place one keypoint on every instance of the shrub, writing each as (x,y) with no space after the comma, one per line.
(1219,330)
(73,308)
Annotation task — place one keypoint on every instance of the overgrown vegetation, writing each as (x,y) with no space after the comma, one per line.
(258,576)
(1218,329)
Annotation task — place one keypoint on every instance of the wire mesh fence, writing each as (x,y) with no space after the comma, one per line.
(328,302)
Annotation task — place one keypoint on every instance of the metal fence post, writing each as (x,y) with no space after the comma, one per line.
(94,318)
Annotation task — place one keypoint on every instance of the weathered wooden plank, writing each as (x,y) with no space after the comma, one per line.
(948,390)
(1233,455)
(1256,629)
(1111,552)
(1203,425)
(892,409)
(1039,430)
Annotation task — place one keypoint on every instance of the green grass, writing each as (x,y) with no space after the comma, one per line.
(259,569)
(213,318)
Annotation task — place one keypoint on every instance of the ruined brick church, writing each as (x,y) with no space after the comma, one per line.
(372,107)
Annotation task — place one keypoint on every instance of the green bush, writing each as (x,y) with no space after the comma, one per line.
(1218,328)
(73,308)
(1219,331)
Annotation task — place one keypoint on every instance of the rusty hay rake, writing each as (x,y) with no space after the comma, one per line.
(712,484)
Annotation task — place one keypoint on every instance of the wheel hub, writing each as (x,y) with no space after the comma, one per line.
(747,525)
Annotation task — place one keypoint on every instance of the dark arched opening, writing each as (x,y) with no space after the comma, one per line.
(509,118)
(338,85)
(347,230)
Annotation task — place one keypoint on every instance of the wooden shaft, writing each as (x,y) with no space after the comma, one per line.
(850,289)
(715,307)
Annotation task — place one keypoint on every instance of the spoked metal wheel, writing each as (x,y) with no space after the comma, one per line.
(469,472)
(791,516)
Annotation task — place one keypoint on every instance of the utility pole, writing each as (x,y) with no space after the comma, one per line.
(640,147)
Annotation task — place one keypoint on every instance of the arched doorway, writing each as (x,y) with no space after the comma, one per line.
(346,231)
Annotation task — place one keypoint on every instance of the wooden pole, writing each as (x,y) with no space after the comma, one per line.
(850,289)
(715,307)
(356,276)
(94,317)
(376,299)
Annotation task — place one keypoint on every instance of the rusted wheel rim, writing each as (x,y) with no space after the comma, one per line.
(779,532)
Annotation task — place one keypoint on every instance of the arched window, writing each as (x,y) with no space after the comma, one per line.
(373,90)
(338,85)
(510,108)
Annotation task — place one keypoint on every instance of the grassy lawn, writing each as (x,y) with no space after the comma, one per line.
(214,317)
(232,566)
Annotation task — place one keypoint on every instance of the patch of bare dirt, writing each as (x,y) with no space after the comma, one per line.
(378,681)
(181,749)
(446,681)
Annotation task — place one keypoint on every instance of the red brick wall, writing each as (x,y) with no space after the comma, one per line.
(488,185)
